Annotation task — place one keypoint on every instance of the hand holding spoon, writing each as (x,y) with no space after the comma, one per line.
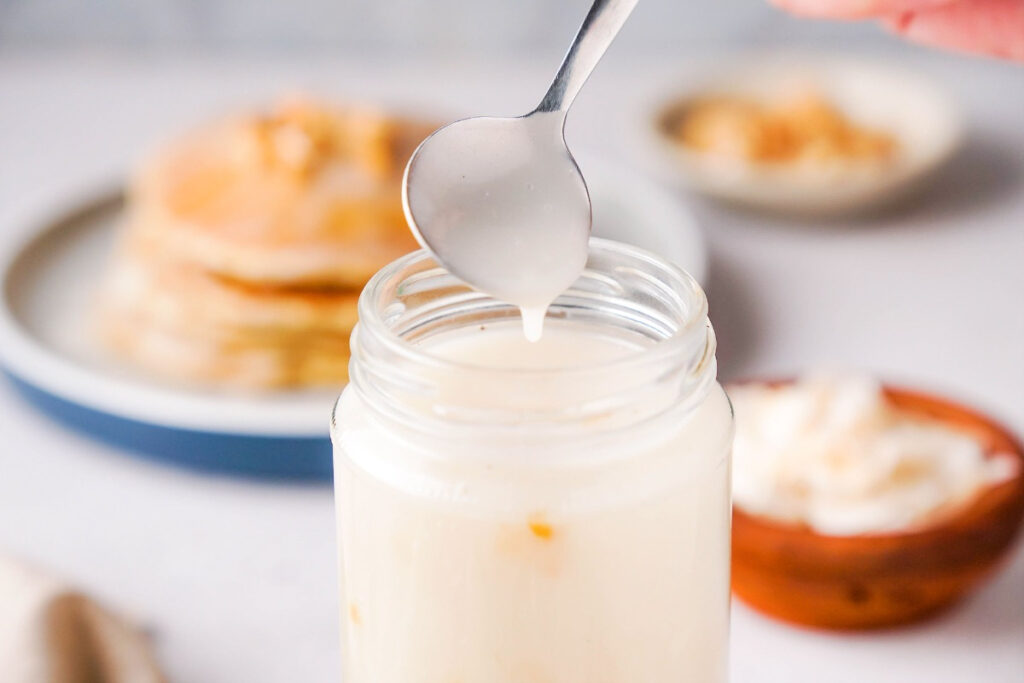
(500,202)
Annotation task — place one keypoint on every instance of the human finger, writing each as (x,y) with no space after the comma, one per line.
(856,9)
(992,27)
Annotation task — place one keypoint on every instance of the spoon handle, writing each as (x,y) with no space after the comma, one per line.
(598,31)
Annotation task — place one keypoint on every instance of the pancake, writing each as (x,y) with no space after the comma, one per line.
(189,359)
(307,195)
(187,325)
(175,296)
(247,242)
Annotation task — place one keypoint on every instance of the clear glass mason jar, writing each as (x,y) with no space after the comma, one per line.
(556,513)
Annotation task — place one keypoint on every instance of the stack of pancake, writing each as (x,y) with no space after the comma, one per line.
(247,244)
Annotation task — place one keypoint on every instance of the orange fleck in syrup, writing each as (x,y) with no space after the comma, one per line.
(353,614)
(540,528)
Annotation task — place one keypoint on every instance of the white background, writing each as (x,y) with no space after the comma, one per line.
(421,28)
(236,580)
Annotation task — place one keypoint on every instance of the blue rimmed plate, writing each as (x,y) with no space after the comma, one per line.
(47,290)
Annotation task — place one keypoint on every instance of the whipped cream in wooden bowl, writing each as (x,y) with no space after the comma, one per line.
(832,453)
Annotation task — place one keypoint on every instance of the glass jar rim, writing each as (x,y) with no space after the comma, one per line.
(372,322)
(624,290)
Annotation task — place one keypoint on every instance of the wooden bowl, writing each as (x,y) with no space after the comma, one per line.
(880,580)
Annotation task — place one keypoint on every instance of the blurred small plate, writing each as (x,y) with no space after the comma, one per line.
(920,116)
(48,284)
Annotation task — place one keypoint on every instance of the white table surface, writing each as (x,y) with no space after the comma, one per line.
(236,579)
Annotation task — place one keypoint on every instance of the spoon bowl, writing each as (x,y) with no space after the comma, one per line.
(501,202)
(483,193)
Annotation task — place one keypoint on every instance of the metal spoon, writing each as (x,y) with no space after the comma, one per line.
(501,202)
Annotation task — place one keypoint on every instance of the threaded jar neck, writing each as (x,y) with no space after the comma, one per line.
(623,290)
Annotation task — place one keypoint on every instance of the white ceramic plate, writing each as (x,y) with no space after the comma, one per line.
(923,119)
(48,286)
